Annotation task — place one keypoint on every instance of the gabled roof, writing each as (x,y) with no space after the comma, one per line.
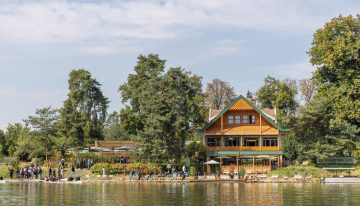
(271,121)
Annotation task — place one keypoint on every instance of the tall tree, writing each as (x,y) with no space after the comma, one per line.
(2,142)
(183,98)
(84,112)
(279,95)
(335,52)
(44,126)
(219,94)
(164,108)
(12,135)
(328,125)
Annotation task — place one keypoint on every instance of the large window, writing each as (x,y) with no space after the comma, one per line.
(237,119)
(232,141)
(245,119)
(250,142)
(230,119)
(252,119)
(270,142)
(213,141)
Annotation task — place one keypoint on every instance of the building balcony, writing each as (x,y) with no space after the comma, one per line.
(243,148)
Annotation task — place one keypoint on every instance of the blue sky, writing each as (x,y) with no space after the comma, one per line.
(237,41)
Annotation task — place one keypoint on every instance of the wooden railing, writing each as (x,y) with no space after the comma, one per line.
(243,148)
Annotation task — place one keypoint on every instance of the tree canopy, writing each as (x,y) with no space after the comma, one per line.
(163,109)
(335,52)
(84,112)
(219,94)
(328,125)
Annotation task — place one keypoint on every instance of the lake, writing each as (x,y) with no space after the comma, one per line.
(134,193)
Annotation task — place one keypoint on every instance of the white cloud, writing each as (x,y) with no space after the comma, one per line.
(38,22)
(297,70)
(226,48)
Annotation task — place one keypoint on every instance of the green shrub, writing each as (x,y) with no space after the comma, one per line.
(113,169)
(4,172)
(192,171)
(300,170)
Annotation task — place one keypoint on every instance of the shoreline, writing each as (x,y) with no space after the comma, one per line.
(122,179)
(119,180)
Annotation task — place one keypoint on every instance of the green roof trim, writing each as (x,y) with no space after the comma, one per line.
(245,152)
(277,126)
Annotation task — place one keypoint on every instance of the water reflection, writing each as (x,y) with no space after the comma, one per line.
(135,193)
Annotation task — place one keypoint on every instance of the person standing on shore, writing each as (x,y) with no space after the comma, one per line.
(11,171)
(40,173)
(50,172)
(63,162)
(72,171)
(88,164)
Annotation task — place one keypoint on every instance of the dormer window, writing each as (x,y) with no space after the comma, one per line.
(245,119)
(237,119)
(252,119)
(230,120)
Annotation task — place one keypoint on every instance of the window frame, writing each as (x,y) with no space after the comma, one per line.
(272,142)
(245,117)
(252,119)
(233,140)
(257,141)
(213,143)
(237,119)
(230,118)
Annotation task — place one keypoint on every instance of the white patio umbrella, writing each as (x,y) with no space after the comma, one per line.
(212,162)
(124,148)
(100,149)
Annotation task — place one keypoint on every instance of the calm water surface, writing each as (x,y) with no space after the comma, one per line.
(133,193)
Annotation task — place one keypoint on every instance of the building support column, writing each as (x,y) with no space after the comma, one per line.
(260,124)
(270,162)
(253,164)
(221,123)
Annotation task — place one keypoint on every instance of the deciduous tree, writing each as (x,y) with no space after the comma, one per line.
(219,94)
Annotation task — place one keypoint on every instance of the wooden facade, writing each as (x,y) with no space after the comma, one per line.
(245,136)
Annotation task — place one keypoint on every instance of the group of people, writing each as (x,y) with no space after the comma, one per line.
(132,174)
(175,174)
(30,172)
(83,163)
(58,174)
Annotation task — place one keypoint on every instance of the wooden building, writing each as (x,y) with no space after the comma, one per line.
(242,135)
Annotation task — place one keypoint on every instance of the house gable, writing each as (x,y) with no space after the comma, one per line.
(241,104)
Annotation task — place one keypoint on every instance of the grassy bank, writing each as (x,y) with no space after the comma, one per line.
(305,171)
